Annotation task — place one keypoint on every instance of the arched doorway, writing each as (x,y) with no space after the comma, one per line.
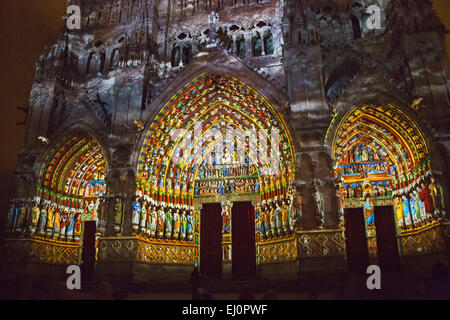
(70,190)
(381,159)
(217,142)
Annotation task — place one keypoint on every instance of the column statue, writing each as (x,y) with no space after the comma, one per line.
(154,221)
(102,214)
(437,197)
(135,214)
(143,218)
(190,226)
(319,205)
(183,225)
(43,218)
(12,213)
(118,215)
(161,222)
(50,219)
(176,224)
(169,224)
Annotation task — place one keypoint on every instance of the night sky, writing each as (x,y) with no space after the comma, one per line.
(26,26)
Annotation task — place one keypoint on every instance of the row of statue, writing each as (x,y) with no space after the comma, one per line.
(423,204)
(361,190)
(47,219)
(210,171)
(366,169)
(248,185)
(280,216)
(361,154)
(168,221)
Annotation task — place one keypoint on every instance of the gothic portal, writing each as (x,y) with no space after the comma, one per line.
(257,139)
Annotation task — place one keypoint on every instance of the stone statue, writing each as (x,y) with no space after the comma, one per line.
(339,205)
(437,197)
(183,225)
(35,212)
(21,216)
(12,213)
(190,226)
(169,224)
(319,206)
(225,218)
(176,224)
(161,222)
(43,219)
(143,218)
(135,213)
(70,224)
(102,214)
(118,215)
(154,221)
(56,223)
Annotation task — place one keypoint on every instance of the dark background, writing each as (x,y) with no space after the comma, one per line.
(26,26)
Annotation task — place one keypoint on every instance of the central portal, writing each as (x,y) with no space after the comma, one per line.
(243,240)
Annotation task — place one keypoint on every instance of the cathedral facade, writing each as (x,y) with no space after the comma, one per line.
(253,139)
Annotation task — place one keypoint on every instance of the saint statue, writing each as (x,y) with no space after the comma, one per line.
(135,213)
(437,196)
(369,212)
(161,222)
(154,221)
(50,219)
(118,215)
(169,224)
(412,206)
(102,214)
(183,226)
(70,224)
(190,226)
(425,196)
(35,212)
(43,219)
(143,218)
(176,224)
(285,217)
(407,212)
(225,218)
(21,216)
(56,223)
(339,206)
(319,206)
(11,216)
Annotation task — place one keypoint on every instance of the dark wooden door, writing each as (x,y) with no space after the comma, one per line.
(243,250)
(356,242)
(211,240)
(386,239)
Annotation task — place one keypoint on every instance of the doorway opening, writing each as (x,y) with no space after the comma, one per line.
(211,240)
(387,245)
(243,240)
(356,242)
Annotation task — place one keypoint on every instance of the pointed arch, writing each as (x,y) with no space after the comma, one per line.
(221,104)
(71,174)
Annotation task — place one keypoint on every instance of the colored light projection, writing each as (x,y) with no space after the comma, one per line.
(71,179)
(380,154)
(218,163)
(378,149)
